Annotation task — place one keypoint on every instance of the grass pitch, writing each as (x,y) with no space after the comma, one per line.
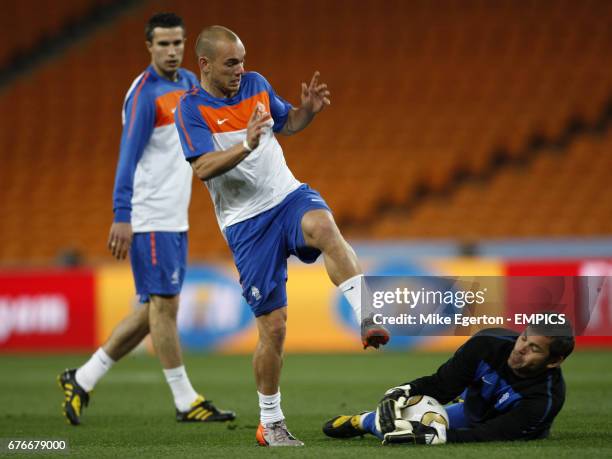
(131,411)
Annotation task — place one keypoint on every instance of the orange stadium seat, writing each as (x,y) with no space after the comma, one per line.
(561,193)
(35,20)
(422,93)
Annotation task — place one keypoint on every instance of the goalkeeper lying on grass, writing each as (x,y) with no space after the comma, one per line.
(504,387)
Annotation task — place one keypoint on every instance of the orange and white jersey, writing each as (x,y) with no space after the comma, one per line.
(206,124)
(153,182)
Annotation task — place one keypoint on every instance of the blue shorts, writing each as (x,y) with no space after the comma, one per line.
(262,244)
(158,263)
(456,416)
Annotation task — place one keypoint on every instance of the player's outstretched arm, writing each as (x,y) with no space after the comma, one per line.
(315,97)
(212,164)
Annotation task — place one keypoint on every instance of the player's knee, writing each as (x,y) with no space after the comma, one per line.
(166,306)
(273,329)
(276,329)
(143,317)
(276,335)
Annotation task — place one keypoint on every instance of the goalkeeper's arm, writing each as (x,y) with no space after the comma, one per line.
(449,381)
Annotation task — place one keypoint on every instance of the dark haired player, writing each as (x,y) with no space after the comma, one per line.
(504,387)
(150,203)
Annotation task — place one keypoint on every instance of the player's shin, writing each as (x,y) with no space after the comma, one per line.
(371,334)
(351,289)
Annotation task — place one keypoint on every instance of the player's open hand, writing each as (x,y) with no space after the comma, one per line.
(315,96)
(120,239)
(257,125)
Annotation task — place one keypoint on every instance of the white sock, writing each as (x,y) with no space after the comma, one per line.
(182,390)
(92,371)
(351,289)
(270,408)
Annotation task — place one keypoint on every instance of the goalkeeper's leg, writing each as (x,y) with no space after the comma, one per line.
(456,416)
(356,425)
(368,422)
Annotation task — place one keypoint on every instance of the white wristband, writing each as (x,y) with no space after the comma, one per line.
(245,144)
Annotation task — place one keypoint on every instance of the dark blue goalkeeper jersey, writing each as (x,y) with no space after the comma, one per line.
(498,405)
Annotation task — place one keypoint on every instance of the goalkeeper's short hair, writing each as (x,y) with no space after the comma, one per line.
(562,337)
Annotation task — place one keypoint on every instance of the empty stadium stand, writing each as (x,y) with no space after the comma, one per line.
(423,93)
(31,22)
(561,193)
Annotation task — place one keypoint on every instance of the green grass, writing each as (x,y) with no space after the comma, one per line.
(132,414)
